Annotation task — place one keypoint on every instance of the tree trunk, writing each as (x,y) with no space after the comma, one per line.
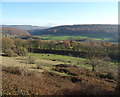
(93,68)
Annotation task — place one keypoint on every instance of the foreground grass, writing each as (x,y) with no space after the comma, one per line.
(19,82)
(54,80)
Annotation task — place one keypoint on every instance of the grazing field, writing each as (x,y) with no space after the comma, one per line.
(79,38)
(82,62)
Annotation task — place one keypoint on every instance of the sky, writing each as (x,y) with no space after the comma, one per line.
(59,13)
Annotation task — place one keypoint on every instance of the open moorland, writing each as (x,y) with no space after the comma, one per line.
(37,64)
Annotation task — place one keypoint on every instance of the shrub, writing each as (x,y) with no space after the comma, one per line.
(10,53)
(108,75)
(31,60)
(7,43)
(95,61)
(21,51)
(39,66)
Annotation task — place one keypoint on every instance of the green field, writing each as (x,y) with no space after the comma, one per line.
(73,61)
(49,37)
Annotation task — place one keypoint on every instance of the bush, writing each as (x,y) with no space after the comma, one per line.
(21,51)
(10,53)
(7,43)
(108,75)
(39,65)
(31,60)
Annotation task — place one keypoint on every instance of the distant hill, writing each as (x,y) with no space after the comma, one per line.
(26,27)
(80,30)
(91,31)
(77,30)
(11,31)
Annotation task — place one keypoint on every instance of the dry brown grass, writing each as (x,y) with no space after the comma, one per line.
(25,82)
(12,70)
(77,71)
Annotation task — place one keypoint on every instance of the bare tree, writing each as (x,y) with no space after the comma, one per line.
(95,61)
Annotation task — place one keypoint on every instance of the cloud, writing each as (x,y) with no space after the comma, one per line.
(53,24)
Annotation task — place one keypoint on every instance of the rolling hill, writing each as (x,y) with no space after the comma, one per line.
(26,27)
(99,31)
(11,31)
(77,30)
(91,31)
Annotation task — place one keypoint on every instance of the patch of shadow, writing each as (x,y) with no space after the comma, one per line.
(62,65)
(75,79)
(4,55)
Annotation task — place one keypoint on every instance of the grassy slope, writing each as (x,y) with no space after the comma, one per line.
(40,81)
(73,60)
(34,82)
(46,84)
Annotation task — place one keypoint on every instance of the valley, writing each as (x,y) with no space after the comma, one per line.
(81,61)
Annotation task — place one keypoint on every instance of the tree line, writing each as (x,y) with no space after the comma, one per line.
(14,47)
